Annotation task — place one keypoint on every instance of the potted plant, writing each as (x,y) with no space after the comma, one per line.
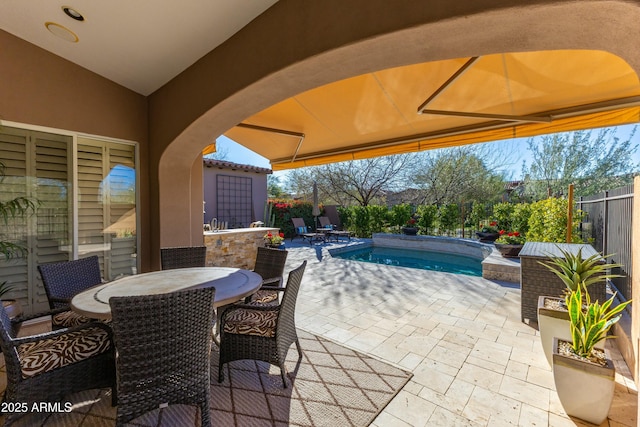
(273,240)
(573,271)
(583,374)
(509,243)
(488,234)
(410,229)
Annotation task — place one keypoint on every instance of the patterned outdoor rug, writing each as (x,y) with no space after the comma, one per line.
(331,386)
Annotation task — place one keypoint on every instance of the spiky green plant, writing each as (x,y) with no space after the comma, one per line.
(590,322)
(573,270)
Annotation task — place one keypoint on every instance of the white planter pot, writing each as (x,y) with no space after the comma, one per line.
(585,389)
(554,323)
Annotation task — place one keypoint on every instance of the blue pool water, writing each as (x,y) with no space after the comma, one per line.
(424,260)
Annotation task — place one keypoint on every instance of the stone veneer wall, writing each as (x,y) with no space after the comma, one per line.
(235,248)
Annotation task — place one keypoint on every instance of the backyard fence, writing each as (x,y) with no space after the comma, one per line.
(607,226)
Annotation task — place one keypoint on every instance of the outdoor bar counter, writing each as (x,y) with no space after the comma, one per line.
(235,247)
(536,280)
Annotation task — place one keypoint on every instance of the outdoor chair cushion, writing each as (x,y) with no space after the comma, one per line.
(68,319)
(52,353)
(301,230)
(266,297)
(252,322)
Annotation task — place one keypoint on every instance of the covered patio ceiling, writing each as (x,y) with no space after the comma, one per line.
(445,103)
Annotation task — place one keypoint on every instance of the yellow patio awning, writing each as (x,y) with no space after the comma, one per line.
(443,104)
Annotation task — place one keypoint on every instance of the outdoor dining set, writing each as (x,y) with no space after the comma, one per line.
(148,337)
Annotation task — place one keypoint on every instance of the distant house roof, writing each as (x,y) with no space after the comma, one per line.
(222,164)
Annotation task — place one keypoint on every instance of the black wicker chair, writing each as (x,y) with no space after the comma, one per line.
(270,265)
(49,366)
(163,343)
(183,257)
(62,281)
(262,332)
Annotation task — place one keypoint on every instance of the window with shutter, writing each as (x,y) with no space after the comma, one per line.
(40,166)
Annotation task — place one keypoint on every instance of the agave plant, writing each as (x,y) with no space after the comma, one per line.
(574,271)
(590,322)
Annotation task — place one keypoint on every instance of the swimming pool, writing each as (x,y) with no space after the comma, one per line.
(413,258)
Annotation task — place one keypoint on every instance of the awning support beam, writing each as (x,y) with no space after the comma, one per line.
(448,83)
(284,132)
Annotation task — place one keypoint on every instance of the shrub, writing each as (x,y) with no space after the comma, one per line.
(400,214)
(361,221)
(520,218)
(448,216)
(548,221)
(503,214)
(378,217)
(427,217)
(478,215)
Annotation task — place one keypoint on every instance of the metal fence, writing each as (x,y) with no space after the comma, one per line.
(607,226)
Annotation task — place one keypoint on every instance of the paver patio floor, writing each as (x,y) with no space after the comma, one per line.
(474,362)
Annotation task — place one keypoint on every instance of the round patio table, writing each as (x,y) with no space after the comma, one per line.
(232,284)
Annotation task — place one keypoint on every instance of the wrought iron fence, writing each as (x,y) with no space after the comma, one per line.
(607,226)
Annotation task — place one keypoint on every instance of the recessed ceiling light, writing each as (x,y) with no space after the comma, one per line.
(62,32)
(72,13)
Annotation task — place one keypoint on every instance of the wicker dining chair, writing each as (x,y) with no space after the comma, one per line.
(270,266)
(183,257)
(163,345)
(49,366)
(262,332)
(62,281)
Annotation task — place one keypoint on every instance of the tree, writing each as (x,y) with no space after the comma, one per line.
(593,163)
(274,190)
(454,175)
(358,182)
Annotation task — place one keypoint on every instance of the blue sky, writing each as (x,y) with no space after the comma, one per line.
(517,148)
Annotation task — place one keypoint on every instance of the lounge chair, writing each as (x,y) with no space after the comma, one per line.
(300,229)
(334,232)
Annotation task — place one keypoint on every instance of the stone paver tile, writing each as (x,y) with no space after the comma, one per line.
(541,377)
(488,334)
(390,352)
(532,416)
(434,375)
(464,340)
(481,377)
(487,408)
(449,354)
(366,341)
(492,352)
(517,370)
(526,342)
(444,417)
(536,359)
(499,369)
(339,334)
(493,319)
(525,392)
(624,408)
(385,419)
(467,324)
(410,408)
(556,420)
(411,361)
(418,344)
(413,388)
(455,399)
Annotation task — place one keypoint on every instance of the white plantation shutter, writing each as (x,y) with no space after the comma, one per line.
(106,195)
(39,165)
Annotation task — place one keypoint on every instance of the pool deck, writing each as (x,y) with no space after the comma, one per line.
(474,362)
